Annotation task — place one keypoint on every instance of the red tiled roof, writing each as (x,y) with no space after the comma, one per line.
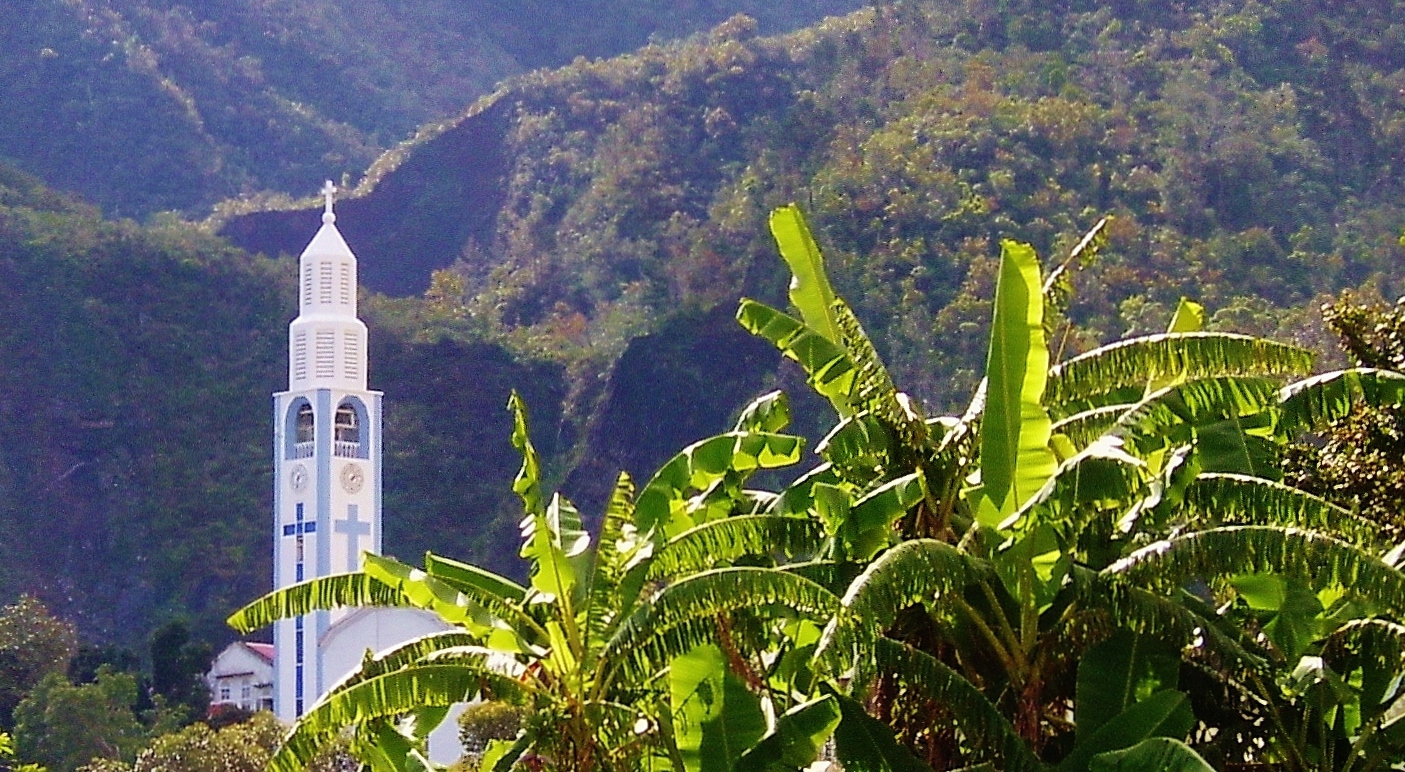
(264,650)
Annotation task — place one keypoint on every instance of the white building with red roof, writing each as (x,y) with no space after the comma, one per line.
(242,676)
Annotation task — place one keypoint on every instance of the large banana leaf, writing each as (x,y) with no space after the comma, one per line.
(1189,317)
(873,386)
(1015,456)
(1163,714)
(1158,614)
(1231,499)
(867,526)
(769,412)
(1099,478)
(716,719)
(830,370)
(395,693)
(1172,415)
(1128,364)
(424,591)
(799,735)
(413,651)
(479,583)
(328,592)
(684,614)
(810,291)
(1317,558)
(1082,429)
(556,546)
(1313,402)
(914,571)
(499,596)
(1159,753)
(862,743)
(620,545)
(1377,646)
(721,541)
(662,504)
(1117,673)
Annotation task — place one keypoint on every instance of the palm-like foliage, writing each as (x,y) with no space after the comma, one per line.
(583,645)
(1039,505)
(1058,576)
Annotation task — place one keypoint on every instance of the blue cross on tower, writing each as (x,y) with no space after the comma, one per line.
(354,529)
(297,529)
(300,527)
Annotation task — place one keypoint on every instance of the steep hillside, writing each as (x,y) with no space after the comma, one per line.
(1250,153)
(583,234)
(135,476)
(149,105)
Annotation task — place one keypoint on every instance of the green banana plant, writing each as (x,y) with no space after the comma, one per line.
(972,608)
(583,644)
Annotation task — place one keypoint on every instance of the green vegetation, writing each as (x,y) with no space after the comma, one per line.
(135,487)
(145,105)
(1247,151)
(1094,567)
(64,726)
(631,195)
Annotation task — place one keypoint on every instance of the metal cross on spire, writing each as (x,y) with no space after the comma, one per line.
(328,192)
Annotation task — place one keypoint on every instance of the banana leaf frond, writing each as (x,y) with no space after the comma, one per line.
(1153,422)
(1130,364)
(1161,616)
(1317,558)
(619,544)
(646,638)
(391,694)
(1235,499)
(1314,402)
(701,465)
(720,541)
(320,594)
(831,371)
(914,571)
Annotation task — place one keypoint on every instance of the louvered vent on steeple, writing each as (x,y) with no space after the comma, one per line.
(327,343)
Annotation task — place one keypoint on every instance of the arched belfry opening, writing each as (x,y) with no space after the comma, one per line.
(302,430)
(349,425)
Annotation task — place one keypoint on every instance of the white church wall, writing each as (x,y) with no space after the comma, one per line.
(378,629)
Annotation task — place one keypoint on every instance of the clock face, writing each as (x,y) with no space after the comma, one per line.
(352,478)
(298,477)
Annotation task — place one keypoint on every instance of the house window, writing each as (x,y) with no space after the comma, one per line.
(224,692)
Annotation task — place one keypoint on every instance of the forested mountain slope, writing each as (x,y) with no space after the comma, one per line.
(149,105)
(1250,153)
(598,223)
(135,480)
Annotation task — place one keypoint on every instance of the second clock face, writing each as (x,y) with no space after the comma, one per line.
(298,477)
(352,478)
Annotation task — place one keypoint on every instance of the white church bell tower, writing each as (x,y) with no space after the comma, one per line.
(327,459)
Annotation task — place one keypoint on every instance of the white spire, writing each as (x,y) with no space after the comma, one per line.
(328,341)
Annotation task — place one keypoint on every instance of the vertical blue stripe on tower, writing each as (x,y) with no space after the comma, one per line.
(373,434)
(325,428)
(277,490)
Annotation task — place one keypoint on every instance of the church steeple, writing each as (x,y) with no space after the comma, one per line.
(327,343)
(327,458)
